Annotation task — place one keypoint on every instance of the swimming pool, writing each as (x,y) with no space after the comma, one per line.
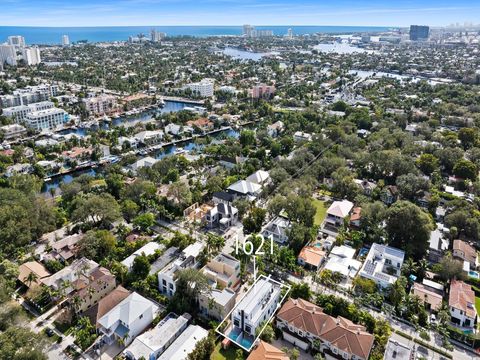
(474,274)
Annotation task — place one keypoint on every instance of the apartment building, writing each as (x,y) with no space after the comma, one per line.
(203,88)
(29,95)
(47,119)
(19,113)
(31,56)
(8,55)
(100,105)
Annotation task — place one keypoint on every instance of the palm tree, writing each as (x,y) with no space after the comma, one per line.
(409,267)
(31,277)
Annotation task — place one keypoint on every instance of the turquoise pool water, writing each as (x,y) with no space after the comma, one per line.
(474,274)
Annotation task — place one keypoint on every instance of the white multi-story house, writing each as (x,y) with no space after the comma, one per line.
(46,119)
(277,229)
(223,271)
(383,265)
(149,137)
(127,320)
(222,215)
(151,344)
(337,212)
(188,259)
(258,305)
(461,302)
(217,303)
(203,88)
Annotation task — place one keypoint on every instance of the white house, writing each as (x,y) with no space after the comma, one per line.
(188,259)
(258,305)
(245,188)
(128,319)
(147,249)
(151,344)
(260,177)
(337,212)
(461,302)
(185,343)
(144,162)
(383,265)
(340,260)
(277,228)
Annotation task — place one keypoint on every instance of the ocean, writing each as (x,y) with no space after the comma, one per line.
(53,35)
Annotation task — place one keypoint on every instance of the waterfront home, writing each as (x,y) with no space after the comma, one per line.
(149,138)
(127,320)
(305,325)
(383,265)
(147,161)
(203,124)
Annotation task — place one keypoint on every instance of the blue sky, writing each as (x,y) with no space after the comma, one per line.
(237,12)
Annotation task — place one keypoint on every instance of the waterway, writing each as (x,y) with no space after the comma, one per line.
(189,146)
(342,48)
(245,55)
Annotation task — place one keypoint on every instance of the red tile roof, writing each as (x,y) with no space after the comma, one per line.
(340,332)
(462,297)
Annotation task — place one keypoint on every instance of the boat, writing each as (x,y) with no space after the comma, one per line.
(179,151)
(106,118)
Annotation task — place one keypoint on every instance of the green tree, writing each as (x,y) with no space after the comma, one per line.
(247,138)
(96,210)
(428,163)
(140,267)
(97,244)
(189,283)
(144,221)
(409,228)
(252,223)
(465,169)
(301,291)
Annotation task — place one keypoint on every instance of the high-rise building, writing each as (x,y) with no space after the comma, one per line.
(203,88)
(65,40)
(419,32)
(290,33)
(31,56)
(17,41)
(157,36)
(8,55)
(247,30)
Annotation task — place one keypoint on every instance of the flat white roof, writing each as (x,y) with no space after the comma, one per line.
(148,249)
(185,343)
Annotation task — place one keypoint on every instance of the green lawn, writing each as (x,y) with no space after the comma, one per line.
(220,354)
(321,211)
